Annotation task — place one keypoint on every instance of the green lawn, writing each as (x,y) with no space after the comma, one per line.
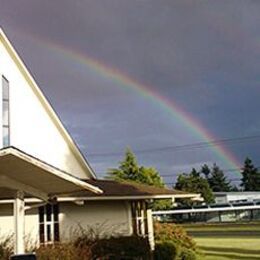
(227,241)
(223,248)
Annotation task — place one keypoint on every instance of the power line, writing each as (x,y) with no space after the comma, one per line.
(192,146)
(173,175)
(174,182)
(224,170)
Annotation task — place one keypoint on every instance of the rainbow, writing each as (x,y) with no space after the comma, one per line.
(126,82)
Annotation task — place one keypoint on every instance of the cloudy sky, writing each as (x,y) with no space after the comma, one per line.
(203,57)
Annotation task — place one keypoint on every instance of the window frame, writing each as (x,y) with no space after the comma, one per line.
(49,228)
(5,101)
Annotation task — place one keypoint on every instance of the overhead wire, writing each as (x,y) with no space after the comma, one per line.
(191,146)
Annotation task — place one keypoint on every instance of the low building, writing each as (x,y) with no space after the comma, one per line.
(236,197)
(228,207)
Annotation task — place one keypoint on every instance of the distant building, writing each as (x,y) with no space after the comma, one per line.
(228,207)
(236,197)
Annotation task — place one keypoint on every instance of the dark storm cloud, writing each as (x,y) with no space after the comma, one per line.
(205,55)
(169,42)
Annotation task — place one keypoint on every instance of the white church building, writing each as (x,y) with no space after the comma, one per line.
(47,188)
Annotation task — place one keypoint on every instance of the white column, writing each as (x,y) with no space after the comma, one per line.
(150,228)
(19,222)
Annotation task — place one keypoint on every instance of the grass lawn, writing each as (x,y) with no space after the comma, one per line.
(223,248)
(227,241)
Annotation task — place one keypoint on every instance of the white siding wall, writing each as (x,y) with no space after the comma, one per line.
(114,217)
(32,129)
(105,217)
(7,223)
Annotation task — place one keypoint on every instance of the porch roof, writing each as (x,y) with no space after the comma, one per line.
(21,171)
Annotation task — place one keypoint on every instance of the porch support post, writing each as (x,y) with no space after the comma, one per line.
(19,222)
(150,229)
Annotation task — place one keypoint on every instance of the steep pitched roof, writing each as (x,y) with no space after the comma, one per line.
(45,103)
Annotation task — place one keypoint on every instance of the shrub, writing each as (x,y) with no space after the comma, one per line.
(59,251)
(85,245)
(187,254)
(166,250)
(131,247)
(175,233)
(95,247)
(6,247)
(185,247)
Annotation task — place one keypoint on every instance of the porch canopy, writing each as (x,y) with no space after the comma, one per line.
(22,175)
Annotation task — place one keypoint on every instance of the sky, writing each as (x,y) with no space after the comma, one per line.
(151,75)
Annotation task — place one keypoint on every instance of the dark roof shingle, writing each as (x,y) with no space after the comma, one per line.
(112,188)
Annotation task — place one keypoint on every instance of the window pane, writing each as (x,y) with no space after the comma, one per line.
(48,212)
(41,214)
(56,232)
(56,212)
(48,232)
(6,141)
(5,113)
(5,85)
(41,231)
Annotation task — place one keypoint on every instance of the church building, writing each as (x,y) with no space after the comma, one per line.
(47,187)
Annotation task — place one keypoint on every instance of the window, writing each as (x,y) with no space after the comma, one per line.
(49,223)
(5,112)
(139,218)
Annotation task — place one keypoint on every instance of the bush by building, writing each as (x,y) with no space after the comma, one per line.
(6,247)
(87,248)
(166,250)
(173,243)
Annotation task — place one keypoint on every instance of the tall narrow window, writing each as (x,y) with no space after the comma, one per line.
(49,223)
(139,215)
(5,112)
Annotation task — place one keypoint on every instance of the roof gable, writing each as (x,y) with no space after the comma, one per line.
(46,105)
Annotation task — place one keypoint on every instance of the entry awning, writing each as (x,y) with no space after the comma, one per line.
(20,171)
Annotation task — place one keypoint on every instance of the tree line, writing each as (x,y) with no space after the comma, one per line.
(205,181)
(208,180)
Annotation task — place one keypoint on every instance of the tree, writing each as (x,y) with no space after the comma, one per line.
(129,170)
(218,181)
(205,170)
(250,177)
(195,184)
(195,173)
(150,176)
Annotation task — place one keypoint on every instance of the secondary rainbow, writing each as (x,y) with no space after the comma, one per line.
(124,81)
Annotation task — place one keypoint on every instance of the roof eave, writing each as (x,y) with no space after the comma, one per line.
(54,171)
(129,197)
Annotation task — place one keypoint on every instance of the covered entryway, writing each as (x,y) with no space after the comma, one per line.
(22,175)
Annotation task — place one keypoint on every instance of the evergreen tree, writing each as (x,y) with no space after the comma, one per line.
(250,177)
(129,170)
(218,181)
(205,170)
(195,173)
(150,176)
(195,184)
